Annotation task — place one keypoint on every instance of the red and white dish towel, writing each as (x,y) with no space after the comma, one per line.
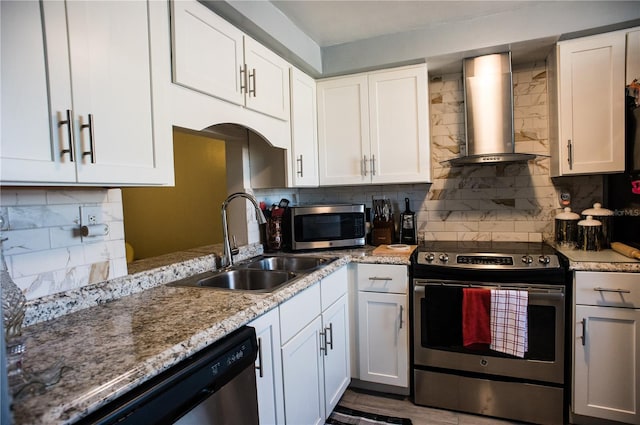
(509,321)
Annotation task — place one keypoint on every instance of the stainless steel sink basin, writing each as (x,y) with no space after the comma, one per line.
(289,263)
(239,279)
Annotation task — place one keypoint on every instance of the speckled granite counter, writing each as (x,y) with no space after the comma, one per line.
(606,260)
(114,336)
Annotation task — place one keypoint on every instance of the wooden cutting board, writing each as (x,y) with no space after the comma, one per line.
(385,250)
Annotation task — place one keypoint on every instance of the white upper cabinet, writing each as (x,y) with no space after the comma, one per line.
(40,150)
(399,126)
(587,76)
(304,134)
(207,52)
(213,57)
(373,128)
(343,131)
(85,107)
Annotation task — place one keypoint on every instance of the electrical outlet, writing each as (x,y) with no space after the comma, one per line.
(90,216)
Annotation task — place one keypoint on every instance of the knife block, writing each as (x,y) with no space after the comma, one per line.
(382,233)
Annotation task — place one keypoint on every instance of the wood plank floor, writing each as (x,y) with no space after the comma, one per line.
(419,415)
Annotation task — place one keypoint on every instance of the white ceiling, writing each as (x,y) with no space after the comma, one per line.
(332,22)
(336,37)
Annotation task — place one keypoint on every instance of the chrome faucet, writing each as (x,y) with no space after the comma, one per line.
(228,253)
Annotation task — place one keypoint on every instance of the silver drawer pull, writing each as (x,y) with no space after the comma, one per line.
(379,278)
(619,291)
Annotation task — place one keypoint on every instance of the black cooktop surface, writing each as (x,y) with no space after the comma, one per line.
(475,247)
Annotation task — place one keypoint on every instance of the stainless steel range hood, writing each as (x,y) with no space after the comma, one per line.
(488,99)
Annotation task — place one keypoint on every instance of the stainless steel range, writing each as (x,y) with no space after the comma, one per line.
(489,326)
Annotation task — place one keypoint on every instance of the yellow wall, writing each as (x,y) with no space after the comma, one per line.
(160,220)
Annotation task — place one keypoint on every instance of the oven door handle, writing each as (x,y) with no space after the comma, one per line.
(545,292)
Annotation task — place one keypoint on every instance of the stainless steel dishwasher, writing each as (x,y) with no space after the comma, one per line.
(215,386)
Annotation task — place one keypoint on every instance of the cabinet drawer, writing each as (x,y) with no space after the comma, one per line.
(299,311)
(333,287)
(388,278)
(608,289)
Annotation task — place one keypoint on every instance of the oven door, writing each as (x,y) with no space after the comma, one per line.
(544,360)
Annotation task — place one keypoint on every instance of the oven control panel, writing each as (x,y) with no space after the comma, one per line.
(488,260)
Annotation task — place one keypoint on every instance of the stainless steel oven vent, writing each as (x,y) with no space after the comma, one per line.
(488,99)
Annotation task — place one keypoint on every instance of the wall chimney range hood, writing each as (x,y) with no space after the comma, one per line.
(488,100)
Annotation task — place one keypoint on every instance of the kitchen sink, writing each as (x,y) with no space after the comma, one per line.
(288,263)
(239,279)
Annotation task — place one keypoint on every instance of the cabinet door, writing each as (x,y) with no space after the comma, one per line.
(269,369)
(398,113)
(337,371)
(267,81)
(302,371)
(35,148)
(383,338)
(343,131)
(304,134)
(606,383)
(591,86)
(633,58)
(109,46)
(207,52)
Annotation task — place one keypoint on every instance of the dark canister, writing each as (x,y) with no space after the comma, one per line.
(566,228)
(589,235)
(605,217)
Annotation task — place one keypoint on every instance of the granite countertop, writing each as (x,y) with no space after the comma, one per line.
(114,336)
(606,260)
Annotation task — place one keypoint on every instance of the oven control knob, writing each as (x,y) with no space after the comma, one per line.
(544,259)
(444,257)
(429,256)
(527,259)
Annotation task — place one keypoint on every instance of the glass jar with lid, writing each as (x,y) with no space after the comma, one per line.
(566,228)
(605,217)
(589,234)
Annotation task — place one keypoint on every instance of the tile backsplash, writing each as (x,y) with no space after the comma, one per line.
(44,250)
(515,202)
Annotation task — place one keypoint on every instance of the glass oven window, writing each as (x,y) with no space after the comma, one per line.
(442,330)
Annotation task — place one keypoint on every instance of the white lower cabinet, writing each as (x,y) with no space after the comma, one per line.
(606,364)
(382,325)
(315,350)
(269,368)
(383,336)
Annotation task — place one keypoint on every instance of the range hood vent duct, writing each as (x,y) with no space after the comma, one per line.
(488,100)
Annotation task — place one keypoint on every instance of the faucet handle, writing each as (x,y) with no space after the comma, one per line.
(234,248)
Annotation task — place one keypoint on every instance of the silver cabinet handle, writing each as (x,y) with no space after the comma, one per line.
(252,75)
(379,278)
(323,341)
(329,341)
(619,291)
(299,161)
(401,316)
(570,154)
(243,78)
(373,165)
(259,367)
(364,165)
(91,152)
(69,123)
(584,332)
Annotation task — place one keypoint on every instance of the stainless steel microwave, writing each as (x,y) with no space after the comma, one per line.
(324,226)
